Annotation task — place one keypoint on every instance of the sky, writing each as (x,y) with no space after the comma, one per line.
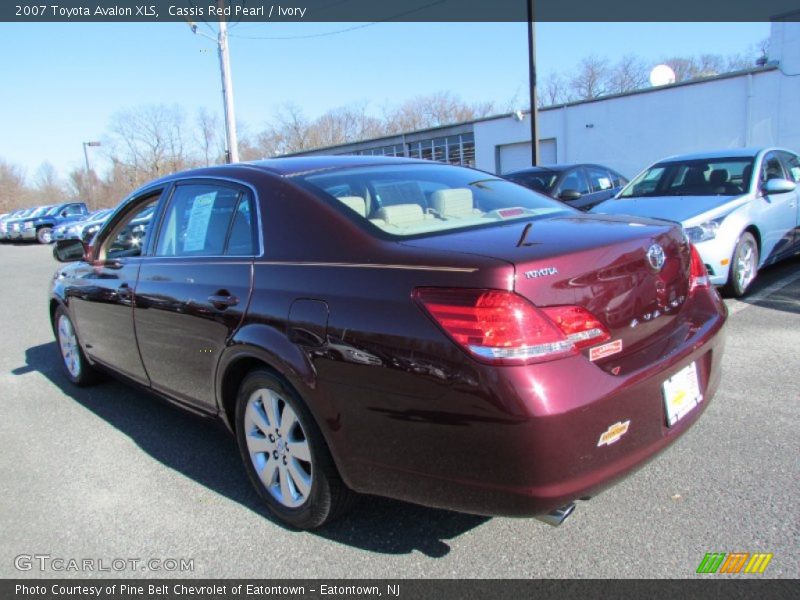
(64,81)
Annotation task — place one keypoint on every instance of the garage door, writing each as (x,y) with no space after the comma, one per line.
(512,157)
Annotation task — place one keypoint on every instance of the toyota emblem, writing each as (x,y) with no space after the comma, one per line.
(655,256)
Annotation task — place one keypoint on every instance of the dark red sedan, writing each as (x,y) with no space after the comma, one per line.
(398,327)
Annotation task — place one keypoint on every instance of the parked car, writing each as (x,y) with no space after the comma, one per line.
(17,224)
(40,227)
(581,186)
(5,231)
(76,229)
(425,332)
(738,222)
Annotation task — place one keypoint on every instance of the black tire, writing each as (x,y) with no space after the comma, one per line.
(74,363)
(44,235)
(328,497)
(744,266)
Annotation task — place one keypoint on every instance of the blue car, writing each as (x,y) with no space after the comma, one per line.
(39,226)
(77,229)
(5,222)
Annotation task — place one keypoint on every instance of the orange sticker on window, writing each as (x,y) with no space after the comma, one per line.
(608,349)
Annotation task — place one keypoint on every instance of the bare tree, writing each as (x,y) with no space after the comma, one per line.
(709,65)
(209,137)
(684,68)
(628,74)
(441,108)
(555,90)
(48,187)
(14,193)
(343,125)
(591,80)
(148,142)
(287,134)
(739,62)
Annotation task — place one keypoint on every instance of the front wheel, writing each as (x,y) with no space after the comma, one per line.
(744,266)
(285,454)
(78,369)
(44,235)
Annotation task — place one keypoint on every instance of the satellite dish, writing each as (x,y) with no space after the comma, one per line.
(662,75)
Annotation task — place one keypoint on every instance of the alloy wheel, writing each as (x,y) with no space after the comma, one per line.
(745,264)
(278,447)
(68,342)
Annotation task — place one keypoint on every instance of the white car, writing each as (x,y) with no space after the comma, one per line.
(738,222)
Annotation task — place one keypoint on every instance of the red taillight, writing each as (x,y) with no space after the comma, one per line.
(698,275)
(502,327)
(578,324)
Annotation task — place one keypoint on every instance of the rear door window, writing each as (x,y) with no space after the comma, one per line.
(600,179)
(573,180)
(207,220)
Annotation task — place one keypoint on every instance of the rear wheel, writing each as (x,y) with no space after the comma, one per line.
(44,235)
(744,266)
(285,454)
(78,369)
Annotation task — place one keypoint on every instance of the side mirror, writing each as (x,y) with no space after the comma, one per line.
(569,195)
(778,186)
(69,250)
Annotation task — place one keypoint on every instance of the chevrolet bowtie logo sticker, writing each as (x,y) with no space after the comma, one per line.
(613,433)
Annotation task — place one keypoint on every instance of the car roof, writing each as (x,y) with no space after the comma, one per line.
(556,168)
(727,153)
(297,165)
(289,167)
(539,169)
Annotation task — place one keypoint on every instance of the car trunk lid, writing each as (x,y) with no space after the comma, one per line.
(631,274)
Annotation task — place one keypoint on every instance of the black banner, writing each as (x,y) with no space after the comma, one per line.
(440,589)
(396,10)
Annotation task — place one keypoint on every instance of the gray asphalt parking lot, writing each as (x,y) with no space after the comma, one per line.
(110,472)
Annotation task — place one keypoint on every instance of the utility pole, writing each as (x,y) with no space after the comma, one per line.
(532,82)
(89,177)
(231,140)
(227,89)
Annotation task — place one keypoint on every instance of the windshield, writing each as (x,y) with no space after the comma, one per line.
(414,199)
(40,211)
(542,181)
(700,177)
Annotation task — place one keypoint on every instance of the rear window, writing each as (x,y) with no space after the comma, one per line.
(542,181)
(408,200)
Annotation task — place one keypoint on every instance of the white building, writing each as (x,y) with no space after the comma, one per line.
(627,132)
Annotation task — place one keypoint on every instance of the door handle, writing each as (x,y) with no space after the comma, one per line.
(223,299)
(124,292)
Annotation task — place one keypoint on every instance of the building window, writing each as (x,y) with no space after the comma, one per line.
(453,149)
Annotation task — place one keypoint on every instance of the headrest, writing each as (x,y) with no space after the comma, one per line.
(453,202)
(719,176)
(401,214)
(747,172)
(356,203)
(694,176)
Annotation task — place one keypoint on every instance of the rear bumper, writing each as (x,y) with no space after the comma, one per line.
(526,441)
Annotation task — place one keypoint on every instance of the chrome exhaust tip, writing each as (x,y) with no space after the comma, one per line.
(557,516)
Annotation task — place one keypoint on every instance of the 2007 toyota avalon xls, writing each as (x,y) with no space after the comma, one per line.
(397,327)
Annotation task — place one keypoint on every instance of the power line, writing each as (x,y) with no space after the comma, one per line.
(338,31)
(305,37)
